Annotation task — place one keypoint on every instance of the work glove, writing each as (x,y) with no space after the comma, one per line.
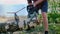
(30,9)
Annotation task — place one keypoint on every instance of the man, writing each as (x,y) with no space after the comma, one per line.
(40,4)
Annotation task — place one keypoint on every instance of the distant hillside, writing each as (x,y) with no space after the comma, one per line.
(5,19)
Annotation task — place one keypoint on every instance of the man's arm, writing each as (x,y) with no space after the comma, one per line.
(37,2)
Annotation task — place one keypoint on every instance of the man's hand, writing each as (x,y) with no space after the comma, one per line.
(30,8)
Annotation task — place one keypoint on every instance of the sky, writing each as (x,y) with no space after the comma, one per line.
(13,2)
(13,6)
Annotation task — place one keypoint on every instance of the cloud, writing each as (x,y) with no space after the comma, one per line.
(8,5)
(14,8)
(13,1)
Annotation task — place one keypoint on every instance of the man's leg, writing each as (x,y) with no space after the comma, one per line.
(44,15)
(45,20)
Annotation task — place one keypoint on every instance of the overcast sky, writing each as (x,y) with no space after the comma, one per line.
(12,6)
(13,2)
